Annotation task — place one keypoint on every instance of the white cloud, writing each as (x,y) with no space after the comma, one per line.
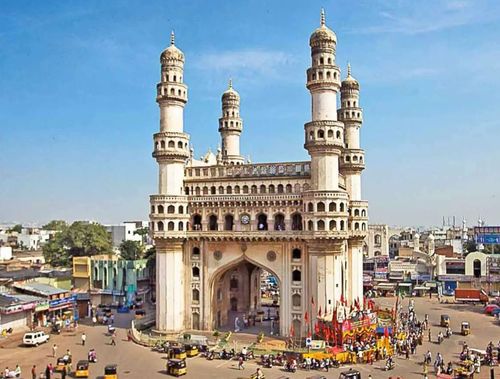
(247,64)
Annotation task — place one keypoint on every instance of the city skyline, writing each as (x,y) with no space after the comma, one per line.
(79,108)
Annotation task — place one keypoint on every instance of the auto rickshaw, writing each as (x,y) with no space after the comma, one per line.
(63,362)
(177,352)
(351,374)
(110,371)
(465,328)
(176,367)
(191,350)
(445,321)
(82,369)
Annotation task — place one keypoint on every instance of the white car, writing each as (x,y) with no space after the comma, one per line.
(35,338)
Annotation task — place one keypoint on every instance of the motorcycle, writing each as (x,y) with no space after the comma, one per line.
(290,367)
(92,356)
(389,365)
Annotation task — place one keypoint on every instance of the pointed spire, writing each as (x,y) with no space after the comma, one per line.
(322,19)
(230,83)
(348,69)
(172,38)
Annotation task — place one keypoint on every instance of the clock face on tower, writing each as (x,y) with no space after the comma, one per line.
(245,219)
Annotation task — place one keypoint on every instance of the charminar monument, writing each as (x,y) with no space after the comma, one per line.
(220,221)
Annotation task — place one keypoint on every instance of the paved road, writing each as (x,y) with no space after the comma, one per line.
(138,362)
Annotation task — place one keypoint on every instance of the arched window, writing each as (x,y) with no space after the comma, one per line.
(196,272)
(181,225)
(171,225)
(378,239)
(280,188)
(245,189)
(363,213)
(288,188)
(329,60)
(296,300)
(229,190)
(320,206)
(321,225)
(310,207)
(196,222)
(171,209)
(279,222)
(212,222)
(262,222)
(197,191)
(296,276)
(196,296)
(296,254)
(339,135)
(310,225)
(160,226)
(233,283)
(342,225)
(328,75)
(153,209)
(330,133)
(213,190)
(254,189)
(296,221)
(262,188)
(363,226)
(311,135)
(321,134)
(333,225)
(171,144)
(356,212)
(172,91)
(105,277)
(162,144)
(342,207)
(205,190)
(160,209)
(221,190)
(228,222)
(332,207)
(196,252)
(271,188)
(356,226)
(237,190)
(181,209)
(179,144)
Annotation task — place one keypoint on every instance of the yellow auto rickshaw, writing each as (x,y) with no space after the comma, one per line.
(110,371)
(176,367)
(445,321)
(351,374)
(63,362)
(82,369)
(177,353)
(465,328)
(191,350)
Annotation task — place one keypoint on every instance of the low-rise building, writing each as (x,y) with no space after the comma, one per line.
(126,231)
(16,310)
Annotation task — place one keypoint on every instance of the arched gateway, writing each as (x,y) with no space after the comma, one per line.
(227,220)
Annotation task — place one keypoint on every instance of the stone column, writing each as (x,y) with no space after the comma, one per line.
(355,270)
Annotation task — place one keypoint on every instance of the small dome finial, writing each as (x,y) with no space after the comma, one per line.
(322,19)
(348,69)
(230,83)
(172,38)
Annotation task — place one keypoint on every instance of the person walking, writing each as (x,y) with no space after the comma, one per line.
(240,363)
(63,373)
(47,372)
(33,372)
(84,338)
(430,335)
(113,339)
(54,350)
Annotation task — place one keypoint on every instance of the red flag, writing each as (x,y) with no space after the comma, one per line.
(292,331)
(326,332)
(386,332)
(319,311)
(306,317)
(356,303)
(309,335)
(312,300)
(342,300)
(316,329)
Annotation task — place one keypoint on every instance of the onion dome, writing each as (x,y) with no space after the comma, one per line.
(350,82)
(230,94)
(172,53)
(323,34)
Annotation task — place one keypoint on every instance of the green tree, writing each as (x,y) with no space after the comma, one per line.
(78,239)
(143,232)
(131,250)
(470,246)
(57,225)
(16,228)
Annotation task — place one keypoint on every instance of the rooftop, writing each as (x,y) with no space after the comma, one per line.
(40,289)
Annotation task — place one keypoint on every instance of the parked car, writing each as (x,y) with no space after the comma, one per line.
(35,338)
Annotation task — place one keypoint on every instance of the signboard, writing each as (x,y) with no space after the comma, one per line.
(458,278)
(488,239)
(42,307)
(308,342)
(380,275)
(58,302)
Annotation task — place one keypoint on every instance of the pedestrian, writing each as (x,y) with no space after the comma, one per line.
(54,350)
(430,335)
(94,320)
(84,338)
(63,373)
(33,372)
(47,372)
(240,363)
(113,338)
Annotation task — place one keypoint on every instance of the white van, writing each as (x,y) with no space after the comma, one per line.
(35,338)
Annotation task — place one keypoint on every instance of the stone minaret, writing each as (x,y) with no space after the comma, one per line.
(230,127)
(169,217)
(325,204)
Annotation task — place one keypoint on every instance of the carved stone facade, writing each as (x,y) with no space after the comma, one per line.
(219,221)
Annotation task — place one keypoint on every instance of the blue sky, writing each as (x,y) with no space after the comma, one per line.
(77,90)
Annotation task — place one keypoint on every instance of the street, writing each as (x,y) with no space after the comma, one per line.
(136,361)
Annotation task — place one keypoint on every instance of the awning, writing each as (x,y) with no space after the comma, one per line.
(404,284)
(421,288)
(385,286)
